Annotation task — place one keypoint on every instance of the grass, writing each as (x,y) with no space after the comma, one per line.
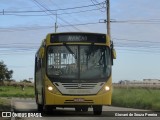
(11,91)
(142,98)
(5,104)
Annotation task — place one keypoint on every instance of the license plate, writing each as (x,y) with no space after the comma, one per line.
(78,100)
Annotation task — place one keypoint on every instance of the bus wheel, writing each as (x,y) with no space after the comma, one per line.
(97,109)
(48,109)
(84,109)
(78,109)
(40,107)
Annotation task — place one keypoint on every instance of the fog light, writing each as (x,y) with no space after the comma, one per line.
(107,88)
(50,88)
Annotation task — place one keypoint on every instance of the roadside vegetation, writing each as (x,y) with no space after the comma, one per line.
(141,98)
(14,89)
(17,91)
(132,97)
(5,74)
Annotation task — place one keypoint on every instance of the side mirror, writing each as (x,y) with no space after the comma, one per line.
(41,53)
(114,54)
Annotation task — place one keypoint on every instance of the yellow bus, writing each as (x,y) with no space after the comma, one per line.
(73,69)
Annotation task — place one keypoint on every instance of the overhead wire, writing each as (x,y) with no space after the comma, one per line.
(64,20)
(133,40)
(47,10)
(12,29)
(140,21)
(37,3)
(58,17)
(14,48)
(101,7)
(64,13)
(137,45)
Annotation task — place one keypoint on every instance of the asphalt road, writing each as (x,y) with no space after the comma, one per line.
(26,108)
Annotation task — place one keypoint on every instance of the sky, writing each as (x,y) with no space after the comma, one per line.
(135,31)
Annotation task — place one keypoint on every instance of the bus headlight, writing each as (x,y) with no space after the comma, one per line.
(107,88)
(50,88)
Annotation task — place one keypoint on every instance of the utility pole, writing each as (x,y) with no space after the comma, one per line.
(108,17)
(55,25)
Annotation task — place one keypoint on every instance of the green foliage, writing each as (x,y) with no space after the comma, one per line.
(11,91)
(26,81)
(4,72)
(136,98)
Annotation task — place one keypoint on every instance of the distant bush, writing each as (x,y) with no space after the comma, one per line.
(17,84)
(26,81)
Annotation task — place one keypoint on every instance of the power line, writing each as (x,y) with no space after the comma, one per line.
(89,10)
(12,29)
(101,7)
(64,13)
(37,3)
(81,24)
(47,10)
(131,40)
(42,27)
(137,45)
(145,21)
(72,25)
(18,43)
(139,50)
(58,17)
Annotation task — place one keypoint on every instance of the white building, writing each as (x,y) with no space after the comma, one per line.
(151,81)
(139,82)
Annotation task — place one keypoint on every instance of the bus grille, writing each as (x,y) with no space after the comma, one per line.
(79,88)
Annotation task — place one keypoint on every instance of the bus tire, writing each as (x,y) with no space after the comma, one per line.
(48,109)
(40,107)
(85,109)
(78,109)
(97,109)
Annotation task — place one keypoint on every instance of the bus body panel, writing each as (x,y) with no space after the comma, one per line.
(56,98)
(104,99)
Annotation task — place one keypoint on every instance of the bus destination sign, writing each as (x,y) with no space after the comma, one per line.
(93,38)
(76,38)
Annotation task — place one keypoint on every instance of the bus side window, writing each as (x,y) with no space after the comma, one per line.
(38,63)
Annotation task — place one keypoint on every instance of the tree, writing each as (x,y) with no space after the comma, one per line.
(4,72)
(9,74)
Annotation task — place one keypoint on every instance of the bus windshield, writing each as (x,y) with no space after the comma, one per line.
(78,63)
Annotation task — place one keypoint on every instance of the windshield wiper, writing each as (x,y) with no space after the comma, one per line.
(69,49)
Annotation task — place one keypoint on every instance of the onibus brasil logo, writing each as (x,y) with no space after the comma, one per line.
(13,114)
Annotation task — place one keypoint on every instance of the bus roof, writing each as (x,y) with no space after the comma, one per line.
(76,33)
